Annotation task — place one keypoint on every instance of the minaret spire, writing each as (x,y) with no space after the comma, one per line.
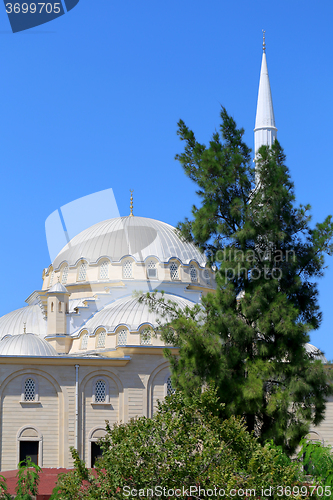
(265,131)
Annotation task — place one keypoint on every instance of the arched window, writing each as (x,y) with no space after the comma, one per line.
(127,269)
(145,336)
(193,273)
(82,272)
(151,270)
(207,276)
(101,339)
(29,390)
(64,275)
(84,341)
(104,270)
(100,391)
(51,279)
(59,306)
(52,306)
(122,337)
(174,274)
(169,389)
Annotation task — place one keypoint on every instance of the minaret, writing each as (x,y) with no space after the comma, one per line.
(265,131)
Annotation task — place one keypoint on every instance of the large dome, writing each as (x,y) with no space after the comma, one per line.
(136,236)
(26,344)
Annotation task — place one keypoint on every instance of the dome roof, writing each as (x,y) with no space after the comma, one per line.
(129,312)
(58,288)
(136,236)
(315,353)
(26,344)
(13,322)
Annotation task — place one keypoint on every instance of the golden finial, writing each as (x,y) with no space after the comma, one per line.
(263,41)
(131,204)
(24,328)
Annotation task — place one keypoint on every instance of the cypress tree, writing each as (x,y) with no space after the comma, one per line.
(249,337)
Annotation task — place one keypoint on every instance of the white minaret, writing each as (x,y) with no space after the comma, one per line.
(265,131)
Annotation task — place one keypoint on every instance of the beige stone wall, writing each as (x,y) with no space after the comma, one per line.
(132,389)
(324,431)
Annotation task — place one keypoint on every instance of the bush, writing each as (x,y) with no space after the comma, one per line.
(186,444)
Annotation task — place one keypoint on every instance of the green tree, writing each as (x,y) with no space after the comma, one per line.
(250,336)
(184,445)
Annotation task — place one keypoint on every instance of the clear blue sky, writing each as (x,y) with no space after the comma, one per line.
(91,101)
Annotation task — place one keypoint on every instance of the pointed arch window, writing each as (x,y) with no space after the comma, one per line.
(82,272)
(104,270)
(84,341)
(151,270)
(51,279)
(193,273)
(174,271)
(145,337)
(101,339)
(122,337)
(207,276)
(64,276)
(128,269)
(29,390)
(169,389)
(100,391)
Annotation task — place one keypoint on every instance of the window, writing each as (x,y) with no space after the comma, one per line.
(29,390)
(59,306)
(207,276)
(52,307)
(193,273)
(29,449)
(64,275)
(51,279)
(82,272)
(84,341)
(174,274)
(101,339)
(151,269)
(104,270)
(100,391)
(122,337)
(169,389)
(127,269)
(145,337)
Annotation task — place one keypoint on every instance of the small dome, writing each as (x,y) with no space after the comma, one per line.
(132,313)
(315,353)
(136,236)
(58,288)
(13,322)
(25,344)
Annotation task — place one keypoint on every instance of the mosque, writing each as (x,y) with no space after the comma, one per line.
(82,350)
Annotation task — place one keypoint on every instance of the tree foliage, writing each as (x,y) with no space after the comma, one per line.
(185,444)
(250,336)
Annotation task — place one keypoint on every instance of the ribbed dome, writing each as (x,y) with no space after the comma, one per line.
(13,322)
(130,312)
(315,352)
(26,344)
(136,236)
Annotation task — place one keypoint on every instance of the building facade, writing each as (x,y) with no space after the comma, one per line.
(83,350)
